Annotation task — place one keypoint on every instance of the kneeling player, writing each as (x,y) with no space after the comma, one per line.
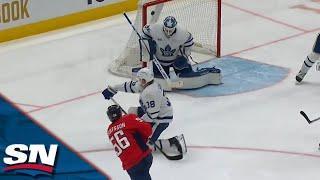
(155,107)
(170,44)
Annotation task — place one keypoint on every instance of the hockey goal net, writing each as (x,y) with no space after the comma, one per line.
(202,18)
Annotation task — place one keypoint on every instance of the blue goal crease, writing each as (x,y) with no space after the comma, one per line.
(238,76)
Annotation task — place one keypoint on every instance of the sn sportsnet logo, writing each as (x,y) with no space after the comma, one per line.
(34,157)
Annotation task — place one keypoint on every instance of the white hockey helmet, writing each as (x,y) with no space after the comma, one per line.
(169,25)
(146,74)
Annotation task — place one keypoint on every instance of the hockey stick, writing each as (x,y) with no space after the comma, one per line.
(116,103)
(156,61)
(176,157)
(307,118)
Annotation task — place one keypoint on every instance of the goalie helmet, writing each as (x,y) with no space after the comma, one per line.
(169,25)
(114,112)
(146,74)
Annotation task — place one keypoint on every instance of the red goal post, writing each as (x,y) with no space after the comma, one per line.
(202,18)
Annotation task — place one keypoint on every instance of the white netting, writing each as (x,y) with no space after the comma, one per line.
(199,17)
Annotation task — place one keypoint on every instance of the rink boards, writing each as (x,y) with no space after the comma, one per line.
(21,18)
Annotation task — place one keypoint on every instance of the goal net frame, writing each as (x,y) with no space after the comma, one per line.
(121,67)
(145,7)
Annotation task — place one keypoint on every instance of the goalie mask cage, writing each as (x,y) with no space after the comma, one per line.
(202,18)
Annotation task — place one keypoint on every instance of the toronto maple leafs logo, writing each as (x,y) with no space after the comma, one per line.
(170,22)
(167,51)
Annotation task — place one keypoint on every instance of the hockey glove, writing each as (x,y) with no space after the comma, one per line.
(109,93)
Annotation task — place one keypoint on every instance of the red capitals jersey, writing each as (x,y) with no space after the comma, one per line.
(129,135)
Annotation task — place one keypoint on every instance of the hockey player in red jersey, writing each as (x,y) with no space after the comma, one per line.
(129,135)
(155,108)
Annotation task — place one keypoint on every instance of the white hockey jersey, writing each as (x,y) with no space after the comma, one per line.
(152,99)
(168,48)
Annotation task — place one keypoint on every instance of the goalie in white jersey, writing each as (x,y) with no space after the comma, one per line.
(171,45)
(155,107)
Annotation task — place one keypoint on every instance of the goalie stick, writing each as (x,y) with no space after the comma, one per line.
(307,118)
(175,157)
(171,84)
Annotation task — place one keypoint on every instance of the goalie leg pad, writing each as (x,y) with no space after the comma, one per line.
(174,141)
(182,143)
(157,73)
(173,145)
(181,65)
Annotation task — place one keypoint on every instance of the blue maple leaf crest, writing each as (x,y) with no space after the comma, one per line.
(167,51)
